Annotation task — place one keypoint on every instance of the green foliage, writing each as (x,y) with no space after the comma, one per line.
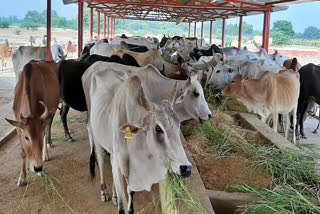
(35,17)
(283,26)
(30,26)
(311,33)
(232,29)
(282,199)
(5,24)
(280,38)
(247,29)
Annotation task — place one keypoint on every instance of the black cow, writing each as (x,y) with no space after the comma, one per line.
(309,89)
(135,48)
(197,53)
(123,36)
(71,90)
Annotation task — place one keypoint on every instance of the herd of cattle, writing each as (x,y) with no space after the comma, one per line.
(137,92)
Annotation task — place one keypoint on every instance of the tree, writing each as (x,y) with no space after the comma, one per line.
(311,33)
(283,26)
(247,29)
(280,38)
(4,24)
(232,29)
(35,17)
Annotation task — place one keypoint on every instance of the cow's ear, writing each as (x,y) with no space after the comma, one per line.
(180,99)
(131,128)
(14,123)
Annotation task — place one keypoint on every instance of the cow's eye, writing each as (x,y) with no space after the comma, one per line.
(27,139)
(232,81)
(158,129)
(218,71)
(196,94)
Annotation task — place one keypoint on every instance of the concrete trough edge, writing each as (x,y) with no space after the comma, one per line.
(12,132)
(195,186)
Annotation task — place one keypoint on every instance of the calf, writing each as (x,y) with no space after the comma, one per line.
(5,54)
(272,93)
(35,102)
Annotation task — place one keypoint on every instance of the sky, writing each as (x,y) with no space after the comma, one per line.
(301,15)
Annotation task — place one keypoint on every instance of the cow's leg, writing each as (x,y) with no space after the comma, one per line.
(49,140)
(114,195)
(294,112)
(130,201)
(275,121)
(303,110)
(316,130)
(118,182)
(45,154)
(287,125)
(281,122)
(22,177)
(63,114)
(100,160)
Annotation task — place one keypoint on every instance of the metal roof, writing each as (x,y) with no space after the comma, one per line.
(186,10)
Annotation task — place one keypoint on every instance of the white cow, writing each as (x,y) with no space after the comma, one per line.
(105,49)
(24,54)
(190,104)
(140,42)
(142,137)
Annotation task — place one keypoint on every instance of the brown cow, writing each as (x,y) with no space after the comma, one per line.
(35,103)
(71,49)
(271,94)
(5,54)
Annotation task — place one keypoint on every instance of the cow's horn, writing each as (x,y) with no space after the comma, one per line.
(46,111)
(144,101)
(172,95)
(24,120)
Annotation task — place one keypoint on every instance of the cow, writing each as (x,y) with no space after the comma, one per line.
(105,49)
(57,53)
(71,49)
(309,89)
(135,48)
(140,42)
(71,90)
(143,137)
(197,52)
(24,54)
(5,54)
(272,93)
(35,103)
(152,57)
(190,104)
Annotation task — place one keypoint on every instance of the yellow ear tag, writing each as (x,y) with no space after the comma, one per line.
(128,135)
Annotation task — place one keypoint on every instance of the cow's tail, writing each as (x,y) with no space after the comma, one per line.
(92,164)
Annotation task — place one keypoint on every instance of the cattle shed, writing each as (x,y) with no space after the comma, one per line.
(188,11)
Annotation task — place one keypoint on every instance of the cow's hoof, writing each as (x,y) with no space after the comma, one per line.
(45,158)
(315,132)
(50,145)
(21,182)
(105,197)
(115,201)
(304,137)
(69,139)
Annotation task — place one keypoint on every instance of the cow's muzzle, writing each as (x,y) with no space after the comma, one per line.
(185,170)
(38,169)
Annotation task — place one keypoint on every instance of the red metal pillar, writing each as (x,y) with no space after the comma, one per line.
(111,27)
(211,24)
(195,29)
(108,27)
(98,26)
(223,31)
(80,26)
(48,30)
(114,27)
(201,29)
(189,29)
(240,33)
(266,30)
(104,25)
(91,24)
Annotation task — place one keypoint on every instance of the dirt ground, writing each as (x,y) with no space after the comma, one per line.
(69,164)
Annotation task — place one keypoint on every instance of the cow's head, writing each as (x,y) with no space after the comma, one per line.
(279,58)
(221,75)
(235,88)
(161,128)
(192,101)
(31,132)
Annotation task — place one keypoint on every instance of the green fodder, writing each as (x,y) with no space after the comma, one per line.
(181,196)
(52,193)
(215,98)
(288,167)
(282,199)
